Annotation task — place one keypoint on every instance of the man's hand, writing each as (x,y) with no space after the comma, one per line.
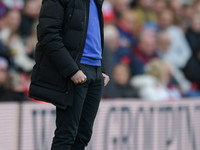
(79,78)
(106,79)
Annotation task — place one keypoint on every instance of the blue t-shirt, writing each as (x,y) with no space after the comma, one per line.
(93,50)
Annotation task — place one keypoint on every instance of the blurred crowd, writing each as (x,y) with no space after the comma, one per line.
(18,20)
(151,51)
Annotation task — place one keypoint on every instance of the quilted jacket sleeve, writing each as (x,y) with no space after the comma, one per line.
(49,36)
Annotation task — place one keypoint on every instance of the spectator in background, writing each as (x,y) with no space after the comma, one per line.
(193,37)
(127,40)
(156,84)
(126,24)
(193,33)
(14,42)
(111,44)
(192,68)
(180,51)
(14,86)
(159,6)
(31,42)
(187,13)
(12,22)
(121,75)
(145,14)
(120,6)
(29,15)
(4,52)
(3,74)
(144,52)
(177,9)
(164,43)
(197,6)
(111,37)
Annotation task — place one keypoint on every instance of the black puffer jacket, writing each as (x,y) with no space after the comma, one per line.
(61,31)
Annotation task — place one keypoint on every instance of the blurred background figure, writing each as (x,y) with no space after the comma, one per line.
(120,6)
(29,16)
(157,84)
(193,33)
(191,70)
(31,42)
(159,6)
(164,43)
(111,45)
(143,52)
(193,37)
(126,24)
(14,88)
(12,39)
(179,47)
(3,75)
(123,89)
(177,9)
(127,38)
(187,13)
(145,14)
(197,6)
(12,22)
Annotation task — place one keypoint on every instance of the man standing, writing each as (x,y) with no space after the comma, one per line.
(69,70)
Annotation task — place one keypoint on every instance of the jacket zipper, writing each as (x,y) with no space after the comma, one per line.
(87,6)
(68,19)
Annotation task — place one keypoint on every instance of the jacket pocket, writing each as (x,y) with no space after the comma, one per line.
(53,79)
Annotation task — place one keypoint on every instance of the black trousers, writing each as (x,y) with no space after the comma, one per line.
(75,123)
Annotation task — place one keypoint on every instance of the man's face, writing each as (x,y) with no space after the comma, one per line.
(32,8)
(148,45)
(13,20)
(195,24)
(121,6)
(159,6)
(165,20)
(121,75)
(129,20)
(146,4)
